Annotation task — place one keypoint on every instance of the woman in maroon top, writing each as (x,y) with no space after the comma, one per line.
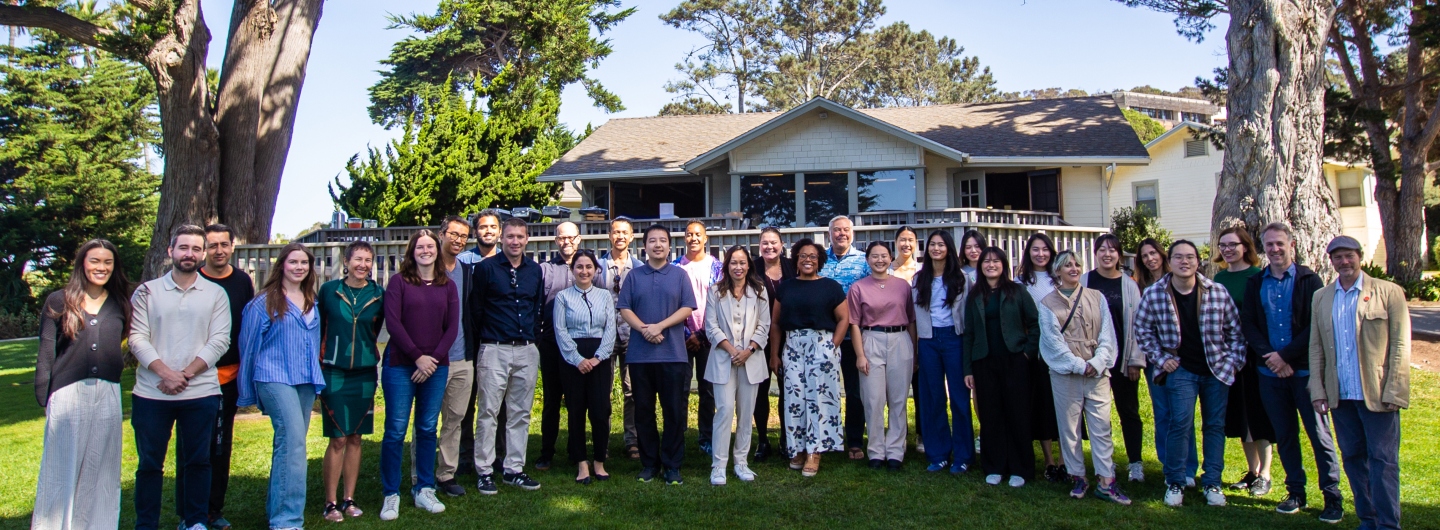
(882,328)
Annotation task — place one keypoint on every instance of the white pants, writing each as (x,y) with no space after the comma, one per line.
(1077,396)
(79,484)
(740,390)
(892,363)
(506,373)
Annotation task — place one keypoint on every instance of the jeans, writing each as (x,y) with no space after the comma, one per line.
(289,410)
(1283,397)
(222,440)
(193,421)
(1370,444)
(940,370)
(427,397)
(1184,389)
(1160,406)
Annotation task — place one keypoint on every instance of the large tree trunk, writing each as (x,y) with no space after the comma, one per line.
(1273,158)
(1404,222)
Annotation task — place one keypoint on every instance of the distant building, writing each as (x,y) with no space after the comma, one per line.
(1171,111)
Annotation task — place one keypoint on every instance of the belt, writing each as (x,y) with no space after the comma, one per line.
(885,329)
(509,342)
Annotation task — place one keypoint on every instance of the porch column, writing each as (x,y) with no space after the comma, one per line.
(799,199)
(735,194)
(920,188)
(852,183)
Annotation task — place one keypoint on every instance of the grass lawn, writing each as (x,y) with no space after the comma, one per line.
(845,494)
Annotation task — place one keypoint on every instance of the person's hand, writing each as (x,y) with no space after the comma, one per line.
(774,363)
(741,356)
(1391,407)
(1285,371)
(692,343)
(970,382)
(652,333)
(1090,370)
(862,364)
(424,367)
(172,382)
(1321,406)
(1133,372)
(1170,365)
(1274,362)
(586,365)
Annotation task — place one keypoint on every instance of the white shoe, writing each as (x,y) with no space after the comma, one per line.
(425,500)
(391,509)
(993,480)
(1174,495)
(744,473)
(717,476)
(920,447)
(196,526)
(1137,472)
(1016,481)
(1190,482)
(1213,496)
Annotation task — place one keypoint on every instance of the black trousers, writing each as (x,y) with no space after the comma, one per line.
(552,395)
(705,413)
(467,434)
(667,384)
(1127,406)
(762,410)
(1002,397)
(221,442)
(854,402)
(588,395)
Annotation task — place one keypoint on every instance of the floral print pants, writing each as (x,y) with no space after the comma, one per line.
(812,392)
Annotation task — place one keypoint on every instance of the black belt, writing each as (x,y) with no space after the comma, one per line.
(885,329)
(509,342)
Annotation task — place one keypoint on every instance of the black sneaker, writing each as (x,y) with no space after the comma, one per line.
(1291,504)
(647,474)
(1260,487)
(762,452)
(1056,473)
(543,465)
(672,477)
(486,485)
(1334,511)
(894,465)
(522,480)
(451,488)
(876,463)
(1244,482)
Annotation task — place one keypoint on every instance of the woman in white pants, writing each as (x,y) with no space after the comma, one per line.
(1077,339)
(737,323)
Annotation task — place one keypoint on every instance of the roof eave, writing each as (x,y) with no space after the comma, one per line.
(614,175)
(976,160)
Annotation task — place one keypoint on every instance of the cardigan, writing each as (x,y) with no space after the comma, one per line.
(1019,325)
(94,352)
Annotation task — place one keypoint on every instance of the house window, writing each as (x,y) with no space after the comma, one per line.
(884,190)
(1045,191)
(1195,117)
(1196,148)
(1159,114)
(768,200)
(1351,194)
(1147,196)
(967,193)
(827,195)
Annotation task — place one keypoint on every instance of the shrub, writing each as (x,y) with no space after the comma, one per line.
(1133,225)
(1425,290)
(19,325)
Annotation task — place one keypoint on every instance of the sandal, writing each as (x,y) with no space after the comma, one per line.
(348,506)
(857,453)
(812,465)
(632,452)
(333,513)
(798,461)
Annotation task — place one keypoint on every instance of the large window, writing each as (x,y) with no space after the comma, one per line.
(886,190)
(1351,193)
(1147,196)
(827,195)
(768,200)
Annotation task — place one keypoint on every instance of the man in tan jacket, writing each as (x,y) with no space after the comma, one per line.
(1360,372)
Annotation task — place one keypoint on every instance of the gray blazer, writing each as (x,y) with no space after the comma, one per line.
(957,310)
(717,328)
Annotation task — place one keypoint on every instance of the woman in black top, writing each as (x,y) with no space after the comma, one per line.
(812,314)
(774,268)
(1002,335)
(77,380)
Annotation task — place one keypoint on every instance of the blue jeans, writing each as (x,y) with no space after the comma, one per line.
(289,410)
(1283,398)
(939,361)
(400,391)
(1185,388)
(193,421)
(1160,406)
(1370,444)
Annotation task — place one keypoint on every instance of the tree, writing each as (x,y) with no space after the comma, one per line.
(912,69)
(1044,93)
(1133,225)
(1275,99)
(733,60)
(223,155)
(694,105)
(1145,127)
(75,125)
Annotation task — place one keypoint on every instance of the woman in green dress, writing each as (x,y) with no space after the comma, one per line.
(352,311)
(1245,416)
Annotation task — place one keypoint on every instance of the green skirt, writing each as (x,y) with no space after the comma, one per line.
(348,401)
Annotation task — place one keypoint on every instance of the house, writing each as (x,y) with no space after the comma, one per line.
(1170,111)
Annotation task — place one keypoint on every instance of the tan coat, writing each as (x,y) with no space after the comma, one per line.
(1383,337)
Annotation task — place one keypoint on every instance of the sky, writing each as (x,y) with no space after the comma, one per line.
(1095,45)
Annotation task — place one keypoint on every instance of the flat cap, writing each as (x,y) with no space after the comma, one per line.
(1343,242)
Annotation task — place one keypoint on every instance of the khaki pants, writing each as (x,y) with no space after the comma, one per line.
(1077,395)
(506,374)
(892,362)
(452,415)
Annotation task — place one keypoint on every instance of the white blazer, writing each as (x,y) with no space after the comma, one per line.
(717,328)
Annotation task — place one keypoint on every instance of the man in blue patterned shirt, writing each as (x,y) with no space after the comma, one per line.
(846,264)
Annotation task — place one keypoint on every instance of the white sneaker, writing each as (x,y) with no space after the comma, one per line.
(196,526)
(1213,496)
(920,447)
(717,476)
(425,500)
(1190,482)
(1016,481)
(391,509)
(1137,472)
(993,480)
(744,473)
(1174,495)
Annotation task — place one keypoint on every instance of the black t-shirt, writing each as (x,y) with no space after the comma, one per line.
(239,289)
(1192,348)
(809,304)
(994,335)
(1114,292)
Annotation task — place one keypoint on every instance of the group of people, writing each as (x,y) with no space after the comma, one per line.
(1043,355)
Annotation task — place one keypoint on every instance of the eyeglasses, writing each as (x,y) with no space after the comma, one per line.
(457,235)
(560,239)
(1183,257)
(1227,246)
(514,282)
(808,257)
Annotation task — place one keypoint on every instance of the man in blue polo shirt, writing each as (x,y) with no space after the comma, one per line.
(655,300)
(846,264)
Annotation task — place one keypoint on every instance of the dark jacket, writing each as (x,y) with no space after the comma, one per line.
(1019,323)
(556,277)
(467,316)
(1257,331)
(93,353)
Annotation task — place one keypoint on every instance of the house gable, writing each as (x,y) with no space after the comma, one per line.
(833,143)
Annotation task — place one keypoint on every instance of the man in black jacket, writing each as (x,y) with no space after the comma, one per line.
(1276,322)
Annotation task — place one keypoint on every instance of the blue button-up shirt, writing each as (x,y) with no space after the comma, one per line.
(1347,355)
(846,269)
(507,299)
(1276,296)
(285,350)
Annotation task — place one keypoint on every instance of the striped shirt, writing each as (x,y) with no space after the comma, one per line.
(285,351)
(588,314)
(1347,357)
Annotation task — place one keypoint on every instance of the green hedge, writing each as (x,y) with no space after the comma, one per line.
(19,325)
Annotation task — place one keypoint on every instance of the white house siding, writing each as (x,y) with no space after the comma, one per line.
(1186,189)
(1360,222)
(1081,195)
(836,143)
(937,181)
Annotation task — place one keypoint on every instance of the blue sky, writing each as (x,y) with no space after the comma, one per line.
(1088,44)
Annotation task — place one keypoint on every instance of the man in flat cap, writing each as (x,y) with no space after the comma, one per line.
(1360,374)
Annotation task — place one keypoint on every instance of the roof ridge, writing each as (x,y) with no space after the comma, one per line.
(683,116)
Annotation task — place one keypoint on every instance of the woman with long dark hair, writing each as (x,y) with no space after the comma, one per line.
(971,245)
(280,372)
(1003,335)
(1034,275)
(585,334)
(352,311)
(1122,298)
(812,314)
(882,327)
(906,262)
(1151,262)
(77,380)
(939,293)
(772,269)
(738,326)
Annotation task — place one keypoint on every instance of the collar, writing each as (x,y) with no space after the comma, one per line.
(168,281)
(1359,284)
(830,252)
(648,269)
(1290,272)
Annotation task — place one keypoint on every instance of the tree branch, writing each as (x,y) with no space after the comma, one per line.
(57,21)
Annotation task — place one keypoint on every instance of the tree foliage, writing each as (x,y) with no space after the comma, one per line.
(1145,127)
(1044,93)
(75,125)
(1133,225)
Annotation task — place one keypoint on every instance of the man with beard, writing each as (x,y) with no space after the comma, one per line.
(615,264)
(557,278)
(239,289)
(180,328)
(485,226)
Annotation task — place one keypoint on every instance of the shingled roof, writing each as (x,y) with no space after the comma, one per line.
(1066,127)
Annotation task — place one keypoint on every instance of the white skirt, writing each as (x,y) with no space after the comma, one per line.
(79,485)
